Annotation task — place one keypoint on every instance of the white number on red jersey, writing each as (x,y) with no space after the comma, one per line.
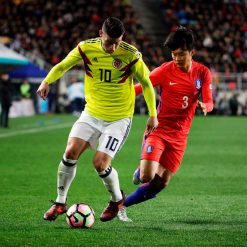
(185,104)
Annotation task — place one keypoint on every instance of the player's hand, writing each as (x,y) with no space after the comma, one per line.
(152,124)
(203,107)
(43,90)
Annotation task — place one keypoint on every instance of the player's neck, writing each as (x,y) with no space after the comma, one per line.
(187,68)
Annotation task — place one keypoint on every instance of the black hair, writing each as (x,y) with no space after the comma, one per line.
(182,38)
(113,27)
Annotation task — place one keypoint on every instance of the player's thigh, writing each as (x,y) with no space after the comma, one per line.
(171,159)
(113,136)
(87,128)
(75,147)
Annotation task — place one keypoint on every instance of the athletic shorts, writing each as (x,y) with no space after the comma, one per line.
(168,153)
(106,137)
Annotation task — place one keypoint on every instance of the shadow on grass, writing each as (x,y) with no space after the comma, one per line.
(201,222)
(211,222)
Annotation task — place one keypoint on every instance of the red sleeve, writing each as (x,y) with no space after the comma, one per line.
(155,77)
(138,88)
(207,96)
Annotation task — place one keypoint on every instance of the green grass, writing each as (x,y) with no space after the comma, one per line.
(205,204)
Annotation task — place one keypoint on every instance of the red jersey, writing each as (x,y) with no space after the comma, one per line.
(179,92)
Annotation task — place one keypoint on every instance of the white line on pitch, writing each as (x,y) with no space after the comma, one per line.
(35,130)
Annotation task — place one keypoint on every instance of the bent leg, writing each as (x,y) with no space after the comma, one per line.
(111,140)
(149,190)
(65,175)
(110,180)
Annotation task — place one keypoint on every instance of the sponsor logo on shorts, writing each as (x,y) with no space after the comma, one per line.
(150,148)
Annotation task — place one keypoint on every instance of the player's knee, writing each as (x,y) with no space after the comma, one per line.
(99,163)
(70,153)
(146,178)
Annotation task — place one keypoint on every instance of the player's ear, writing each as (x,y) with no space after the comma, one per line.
(100,32)
(193,52)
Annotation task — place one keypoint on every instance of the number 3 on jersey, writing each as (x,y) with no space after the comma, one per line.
(105,75)
(186,103)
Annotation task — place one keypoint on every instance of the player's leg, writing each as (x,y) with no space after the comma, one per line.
(146,191)
(78,141)
(112,138)
(65,175)
(109,176)
(67,167)
(148,169)
(170,161)
(150,189)
(152,149)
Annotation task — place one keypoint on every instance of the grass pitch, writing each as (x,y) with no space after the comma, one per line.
(204,205)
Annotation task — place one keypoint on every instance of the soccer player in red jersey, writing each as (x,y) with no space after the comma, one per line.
(181,82)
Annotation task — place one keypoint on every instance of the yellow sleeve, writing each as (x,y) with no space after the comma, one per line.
(59,69)
(142,74)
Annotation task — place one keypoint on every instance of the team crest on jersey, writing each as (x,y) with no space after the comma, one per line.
(150,148)
(198,83)
(117,63)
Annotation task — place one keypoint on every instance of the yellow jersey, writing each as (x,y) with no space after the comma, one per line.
(109,87)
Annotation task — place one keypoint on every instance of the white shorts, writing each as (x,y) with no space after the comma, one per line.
(107,137)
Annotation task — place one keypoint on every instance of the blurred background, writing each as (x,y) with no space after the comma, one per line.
(37,34)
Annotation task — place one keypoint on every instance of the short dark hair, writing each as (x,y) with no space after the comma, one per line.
(113,27)
(182,38)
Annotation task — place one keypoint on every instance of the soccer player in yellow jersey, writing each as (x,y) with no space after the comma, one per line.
(110,65)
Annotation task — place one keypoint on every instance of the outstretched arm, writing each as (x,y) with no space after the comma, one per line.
(58,71)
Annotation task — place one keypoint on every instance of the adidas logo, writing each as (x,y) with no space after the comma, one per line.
(61,188)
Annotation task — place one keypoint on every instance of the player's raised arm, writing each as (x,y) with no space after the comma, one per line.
(58,71)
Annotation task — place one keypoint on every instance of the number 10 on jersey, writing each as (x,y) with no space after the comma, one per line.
(105,75)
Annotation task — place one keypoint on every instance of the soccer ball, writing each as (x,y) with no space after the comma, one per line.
(80,215)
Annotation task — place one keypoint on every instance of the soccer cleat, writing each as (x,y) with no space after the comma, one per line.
(136,176)
(55,210)
(112,209)
(122,215)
